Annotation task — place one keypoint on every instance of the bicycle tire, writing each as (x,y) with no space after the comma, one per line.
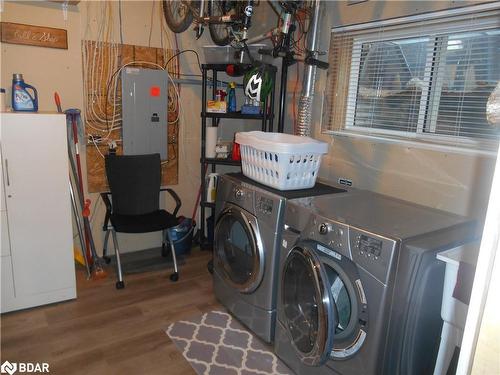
(178,23)
(218,33)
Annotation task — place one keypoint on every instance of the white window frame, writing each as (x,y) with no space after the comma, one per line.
(433,26)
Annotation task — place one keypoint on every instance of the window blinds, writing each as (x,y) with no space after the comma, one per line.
(468,69)
(337,88)
(392,82)
(424,78)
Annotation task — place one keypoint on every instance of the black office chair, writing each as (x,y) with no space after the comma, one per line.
(134,182)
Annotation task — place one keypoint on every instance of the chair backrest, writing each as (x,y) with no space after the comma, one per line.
(134,182)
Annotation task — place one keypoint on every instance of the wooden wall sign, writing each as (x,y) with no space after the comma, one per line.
(17,33)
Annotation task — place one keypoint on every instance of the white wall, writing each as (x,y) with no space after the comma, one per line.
(446,180)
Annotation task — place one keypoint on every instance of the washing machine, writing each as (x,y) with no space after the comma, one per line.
(359,285)
(249,218)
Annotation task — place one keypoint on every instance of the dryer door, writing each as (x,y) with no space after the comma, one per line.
(238,249)
(309,312)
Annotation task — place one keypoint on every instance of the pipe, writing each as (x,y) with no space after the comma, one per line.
(309,80)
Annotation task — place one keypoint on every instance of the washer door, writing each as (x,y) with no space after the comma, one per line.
(238,249)
(352,309)
(309,309)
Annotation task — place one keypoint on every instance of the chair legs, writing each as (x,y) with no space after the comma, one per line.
(164,250)
(119,284)
(175,275)
(105,248)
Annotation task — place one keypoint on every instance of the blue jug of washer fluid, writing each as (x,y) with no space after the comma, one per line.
(22,100)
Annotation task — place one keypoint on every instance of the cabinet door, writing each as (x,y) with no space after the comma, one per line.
(35,153)
(4,225)
(7,298)
(4,233)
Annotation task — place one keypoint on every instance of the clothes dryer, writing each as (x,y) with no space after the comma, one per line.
(359,286)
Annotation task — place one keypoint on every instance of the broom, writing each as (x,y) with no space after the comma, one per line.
(98,271)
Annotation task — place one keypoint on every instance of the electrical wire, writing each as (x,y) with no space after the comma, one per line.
(95,144)
(93,57)
(180,53)
(120,18)
(151,21)
(102,59)
(103,63)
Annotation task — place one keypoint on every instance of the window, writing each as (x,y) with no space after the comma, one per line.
(425,78)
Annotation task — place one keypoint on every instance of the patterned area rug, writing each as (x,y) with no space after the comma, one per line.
(217,344)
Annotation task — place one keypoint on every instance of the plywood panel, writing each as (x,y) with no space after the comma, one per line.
(100,106)
(145,54)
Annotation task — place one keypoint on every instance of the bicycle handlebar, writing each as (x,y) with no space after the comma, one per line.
(308,60)
(272,52)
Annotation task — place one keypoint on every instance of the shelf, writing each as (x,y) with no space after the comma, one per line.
(207,204)
(222,67)
(221,161)
(236,115)
(210,73)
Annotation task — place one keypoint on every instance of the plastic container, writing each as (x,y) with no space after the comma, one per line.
(281,161)
(22,100)
(212,187)
(229,55)
(182,236)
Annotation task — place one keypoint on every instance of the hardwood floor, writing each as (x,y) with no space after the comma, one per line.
(109,331)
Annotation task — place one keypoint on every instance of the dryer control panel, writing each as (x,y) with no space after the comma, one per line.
(372,252)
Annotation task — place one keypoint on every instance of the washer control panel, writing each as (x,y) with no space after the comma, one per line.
(242,197)
(239,194)
(332,234)
(264,205)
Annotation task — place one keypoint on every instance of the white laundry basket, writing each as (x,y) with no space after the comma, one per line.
(281,161)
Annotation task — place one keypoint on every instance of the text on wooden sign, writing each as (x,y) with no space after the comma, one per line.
(17,33)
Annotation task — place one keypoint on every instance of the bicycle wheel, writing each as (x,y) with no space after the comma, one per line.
(177,15)
(218,32)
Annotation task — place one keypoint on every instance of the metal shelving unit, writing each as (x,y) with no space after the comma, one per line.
(266,118)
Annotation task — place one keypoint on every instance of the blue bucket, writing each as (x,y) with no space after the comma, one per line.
(182,236)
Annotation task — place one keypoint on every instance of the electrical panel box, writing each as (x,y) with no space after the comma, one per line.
(144,112)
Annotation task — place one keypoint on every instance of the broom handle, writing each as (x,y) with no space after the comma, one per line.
(77,174)
(78,225)
(77,154)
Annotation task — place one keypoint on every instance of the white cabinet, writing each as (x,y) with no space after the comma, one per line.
(37,242)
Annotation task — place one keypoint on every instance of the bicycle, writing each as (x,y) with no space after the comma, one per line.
(231,25)
(227,21)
